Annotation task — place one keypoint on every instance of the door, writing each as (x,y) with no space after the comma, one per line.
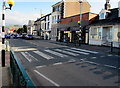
(107,34)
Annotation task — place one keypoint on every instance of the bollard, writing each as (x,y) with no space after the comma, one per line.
(111,46)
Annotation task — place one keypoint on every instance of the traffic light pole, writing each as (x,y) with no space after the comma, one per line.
(3,35)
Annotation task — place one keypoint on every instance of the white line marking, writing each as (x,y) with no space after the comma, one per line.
(41,66)
(118,68)
(56,53)
(83,59)
(70,53)
(47,78)
(92,62)
(58,63)
(116,55)
(26,56)
(102,56)
(43,55)
(85,50)
(94,57)
(110,66)
(110,55)
(72,60)
(78,52)
(30,56)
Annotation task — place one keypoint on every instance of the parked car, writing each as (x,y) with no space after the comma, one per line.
(7,36)
(19,36)
(15,36)
(29,36)
(24,35)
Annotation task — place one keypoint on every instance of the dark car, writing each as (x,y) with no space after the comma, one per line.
(7,36)
(23,35)
(15,36)
(29,36)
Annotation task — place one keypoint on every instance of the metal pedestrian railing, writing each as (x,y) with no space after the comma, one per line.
(19,76)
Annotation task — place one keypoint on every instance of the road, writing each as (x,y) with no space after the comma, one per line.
(50,64)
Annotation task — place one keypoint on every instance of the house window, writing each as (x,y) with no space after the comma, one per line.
(99,33)
(53,9)
(109,34)
(48,25)
(102,16)
(93,33)
(52,19)
(58,17)
(55,20)
(48,18)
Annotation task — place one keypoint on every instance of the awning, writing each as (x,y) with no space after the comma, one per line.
(63,29)
(74,28)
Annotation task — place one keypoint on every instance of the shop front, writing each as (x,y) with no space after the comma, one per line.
(69,34)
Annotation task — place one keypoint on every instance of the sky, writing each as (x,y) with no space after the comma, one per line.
(25,10)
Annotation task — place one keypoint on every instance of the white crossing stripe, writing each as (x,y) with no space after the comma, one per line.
(110,66)
(56,53)
(70,53)
(30,56)
(40,66)
(59,63)
(23,53)
(92,62)
(85,50)
(43,55)
(51,81)
(77,51)
(110,55)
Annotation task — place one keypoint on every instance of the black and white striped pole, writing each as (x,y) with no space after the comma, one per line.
(3,35)
(10,2)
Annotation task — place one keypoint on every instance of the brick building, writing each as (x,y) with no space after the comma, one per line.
(68,28)
(63,9)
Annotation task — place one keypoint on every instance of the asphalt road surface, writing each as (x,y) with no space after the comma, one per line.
(50,64)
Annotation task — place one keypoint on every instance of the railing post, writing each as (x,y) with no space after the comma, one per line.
(111,46)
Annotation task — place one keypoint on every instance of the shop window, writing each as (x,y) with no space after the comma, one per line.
(93,33)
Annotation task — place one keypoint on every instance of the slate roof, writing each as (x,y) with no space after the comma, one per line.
(111,19)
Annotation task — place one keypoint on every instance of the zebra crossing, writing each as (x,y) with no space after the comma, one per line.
(56,53)
(47,54)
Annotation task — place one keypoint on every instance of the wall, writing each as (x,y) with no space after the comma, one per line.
(73,8)
(76,18)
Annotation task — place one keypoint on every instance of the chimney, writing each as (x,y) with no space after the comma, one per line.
(107,5)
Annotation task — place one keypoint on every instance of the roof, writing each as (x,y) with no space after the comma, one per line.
(42,18)
(12,29)
(57,3)
(111,19)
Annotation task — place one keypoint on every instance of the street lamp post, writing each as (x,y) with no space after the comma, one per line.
(80,22)
(80,1)
(10,2)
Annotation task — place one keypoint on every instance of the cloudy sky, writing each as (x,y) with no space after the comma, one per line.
(25,10)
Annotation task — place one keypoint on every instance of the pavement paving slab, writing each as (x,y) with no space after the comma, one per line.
(5,76)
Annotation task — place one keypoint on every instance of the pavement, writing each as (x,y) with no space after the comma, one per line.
(5,76)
